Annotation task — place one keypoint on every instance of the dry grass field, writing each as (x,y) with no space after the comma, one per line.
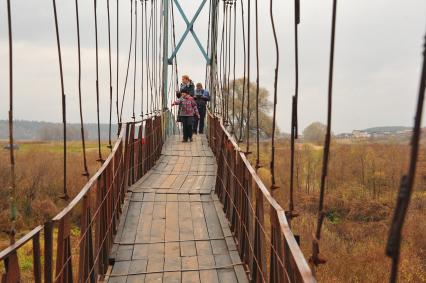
(361,192)
(360,197)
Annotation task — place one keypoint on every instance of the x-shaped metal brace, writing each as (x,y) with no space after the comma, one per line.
(189,29)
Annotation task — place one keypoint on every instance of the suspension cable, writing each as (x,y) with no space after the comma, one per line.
(244,73)
(174,44)
(136,55)
(248,78)
(229,62)
(110,76)
(277,62)
(142,54)
(11,141)
(208,44)
(233,71)
(100,159)
(154,57)
(83,141)
(221,62)
(128,61)
(160,62)
(294,126)
(257,88)
(407,182)
(118,65)
(315,259)
(64,114)
(147,34)
(149,61)
(225,62)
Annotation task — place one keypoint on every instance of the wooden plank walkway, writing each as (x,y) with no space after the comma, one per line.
(173,228)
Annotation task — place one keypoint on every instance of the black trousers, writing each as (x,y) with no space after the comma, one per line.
(187,123)
(199,123)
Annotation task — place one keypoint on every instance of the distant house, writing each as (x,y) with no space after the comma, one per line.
(358,134)
(7,146)
(343,136)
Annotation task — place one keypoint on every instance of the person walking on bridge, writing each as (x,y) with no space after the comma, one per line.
(187,111)
(187,85)
(202,96)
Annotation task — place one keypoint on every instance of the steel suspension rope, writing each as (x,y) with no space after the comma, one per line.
(213,46)
(277,62)
(110,75)
(128,62)
(154,53)
(11,140)
(174,43)
(83,141)
(248,78)
(233,71)
(221,63)
(100,159)
(154,58)
(257,166)
(225,62)
(147,34)
(315,259)
(208,44)
(160,62)
(244,74)
(118,65)
(229,61)
(407,182)
(142,55)
(149,61)
(64,114)
(136,52)
(294,119)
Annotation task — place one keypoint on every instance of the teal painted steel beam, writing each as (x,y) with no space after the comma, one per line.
(189,29)
(165,51)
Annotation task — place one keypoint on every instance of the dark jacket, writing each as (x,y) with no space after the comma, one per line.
(201,97)
(188,88)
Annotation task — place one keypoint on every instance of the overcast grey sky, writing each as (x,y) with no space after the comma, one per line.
(377,62)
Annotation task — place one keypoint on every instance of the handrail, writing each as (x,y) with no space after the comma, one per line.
(98,205)
(22,241)
(243,195)
(91,181)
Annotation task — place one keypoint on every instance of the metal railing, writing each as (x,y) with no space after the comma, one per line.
(97,208)
(265,242)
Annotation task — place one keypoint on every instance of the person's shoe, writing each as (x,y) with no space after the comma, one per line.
(190,140)
(200,132)
(184,140)
(194,132)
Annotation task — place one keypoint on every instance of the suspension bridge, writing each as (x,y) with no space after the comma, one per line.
(161,210)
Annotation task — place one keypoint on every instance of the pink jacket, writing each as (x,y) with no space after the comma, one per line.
(188,106)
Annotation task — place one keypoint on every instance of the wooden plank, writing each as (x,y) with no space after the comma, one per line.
(198,221)
(172,277)
(172,222)
(176,225)
(212,220)
(137,266)
(190,276)
(186,230)
(119,272)
(145,221)
(238,268)
(132,219)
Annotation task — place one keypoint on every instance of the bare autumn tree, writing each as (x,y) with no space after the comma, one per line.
(265,108)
